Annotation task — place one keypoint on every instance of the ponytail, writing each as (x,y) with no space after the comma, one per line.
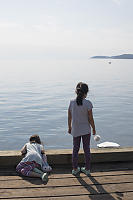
(79,98)
(81,90)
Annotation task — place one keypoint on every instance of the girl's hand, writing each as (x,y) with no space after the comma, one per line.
(69,130)
(24,150)
(43,151)
(94,132)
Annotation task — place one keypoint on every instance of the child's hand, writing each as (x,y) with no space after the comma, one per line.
(43,151)
(23,154)
(69,130)
(94,132)
(24,150)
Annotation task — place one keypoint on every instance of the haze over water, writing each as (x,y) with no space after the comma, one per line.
(35,96)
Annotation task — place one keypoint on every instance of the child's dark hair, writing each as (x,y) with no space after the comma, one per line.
(35,139)
(81,90)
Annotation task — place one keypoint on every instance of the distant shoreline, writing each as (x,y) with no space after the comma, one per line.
(123,56)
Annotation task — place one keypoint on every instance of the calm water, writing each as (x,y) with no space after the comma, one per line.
(34,97)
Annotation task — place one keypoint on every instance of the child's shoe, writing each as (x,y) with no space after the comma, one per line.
(75,172)
(45,177)
(87,172)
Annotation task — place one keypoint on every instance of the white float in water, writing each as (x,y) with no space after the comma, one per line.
(108,144)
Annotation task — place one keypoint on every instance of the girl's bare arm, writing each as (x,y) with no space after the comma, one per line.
(91,121)
(69,121)
(43,151)
(42,148)
(24,150)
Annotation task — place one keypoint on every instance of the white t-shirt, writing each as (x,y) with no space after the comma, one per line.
(80,123)
(33,153)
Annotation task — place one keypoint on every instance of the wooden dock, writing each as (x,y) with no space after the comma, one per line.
(112,182)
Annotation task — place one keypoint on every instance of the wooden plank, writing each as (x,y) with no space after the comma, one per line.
(35,182)
(105,176)
(109,173)
(112,196)
(69,175)
(85,197)
(121,196)
(63,186)
(65,191)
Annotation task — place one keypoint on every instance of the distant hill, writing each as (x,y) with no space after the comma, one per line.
(123,56)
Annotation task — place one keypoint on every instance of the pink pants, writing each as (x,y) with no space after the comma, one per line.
(25,168)
(86,147)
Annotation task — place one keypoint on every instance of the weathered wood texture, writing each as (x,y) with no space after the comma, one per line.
(64,156)
(62,185)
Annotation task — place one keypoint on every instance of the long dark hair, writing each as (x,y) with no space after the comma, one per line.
(81,90)
(35,139)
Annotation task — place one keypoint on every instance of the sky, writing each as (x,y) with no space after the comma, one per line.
(65,29)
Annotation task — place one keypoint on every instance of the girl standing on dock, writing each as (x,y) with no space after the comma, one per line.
(80,121)
(34,164)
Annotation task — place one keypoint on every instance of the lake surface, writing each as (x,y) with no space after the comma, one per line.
(34,98)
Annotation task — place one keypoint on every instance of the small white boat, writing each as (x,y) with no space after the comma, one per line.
(108,145)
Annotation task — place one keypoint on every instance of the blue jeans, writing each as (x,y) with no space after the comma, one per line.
(86,147)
